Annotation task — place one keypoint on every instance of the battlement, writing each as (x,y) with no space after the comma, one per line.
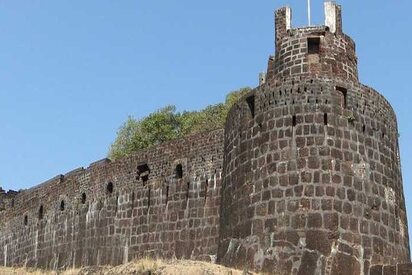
(312,50)
(333,17)
(333,20)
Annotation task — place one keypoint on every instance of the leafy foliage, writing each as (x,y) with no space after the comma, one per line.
(167,124)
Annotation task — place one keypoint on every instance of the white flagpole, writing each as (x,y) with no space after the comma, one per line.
(309,19)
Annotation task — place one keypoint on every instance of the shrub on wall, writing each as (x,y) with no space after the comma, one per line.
(167,124)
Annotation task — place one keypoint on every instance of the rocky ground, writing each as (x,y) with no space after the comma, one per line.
(145,266)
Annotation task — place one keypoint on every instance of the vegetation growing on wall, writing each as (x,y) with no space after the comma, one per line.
(167,124)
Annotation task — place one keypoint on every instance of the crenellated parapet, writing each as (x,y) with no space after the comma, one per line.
(313,50)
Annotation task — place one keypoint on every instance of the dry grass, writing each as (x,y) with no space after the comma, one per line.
(144,266)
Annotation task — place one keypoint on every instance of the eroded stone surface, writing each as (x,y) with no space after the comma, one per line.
(322,152)
(304,179)
(148,211)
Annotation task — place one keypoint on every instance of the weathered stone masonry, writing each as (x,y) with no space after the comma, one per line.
(304,179)
(311,178)
(113,212)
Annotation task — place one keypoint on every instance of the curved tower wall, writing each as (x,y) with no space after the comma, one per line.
(312,179)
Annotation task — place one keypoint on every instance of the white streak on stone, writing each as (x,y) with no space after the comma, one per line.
(330,16)
(288,18)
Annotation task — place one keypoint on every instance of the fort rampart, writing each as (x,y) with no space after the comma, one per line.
(305,178)
(161,202)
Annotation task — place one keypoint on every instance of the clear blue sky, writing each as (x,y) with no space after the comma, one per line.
(72,71)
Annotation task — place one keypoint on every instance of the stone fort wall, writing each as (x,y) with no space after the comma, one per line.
(312,177)
(161,202)
(304,179)
(399,269)
(6,198)
(312,180)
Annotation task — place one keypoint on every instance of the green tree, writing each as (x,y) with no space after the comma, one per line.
(134,135)
(234,96)
(166,124)
(126,139)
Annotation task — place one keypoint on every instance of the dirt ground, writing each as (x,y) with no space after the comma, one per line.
(145,266)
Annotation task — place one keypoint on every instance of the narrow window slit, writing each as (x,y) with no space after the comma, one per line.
(62,205)
(109,188)
(41,212)
(83,198)
(343,93)
(167,194)
(294,121)
(179,171)
(325,119)
(206,189)
(251,104)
